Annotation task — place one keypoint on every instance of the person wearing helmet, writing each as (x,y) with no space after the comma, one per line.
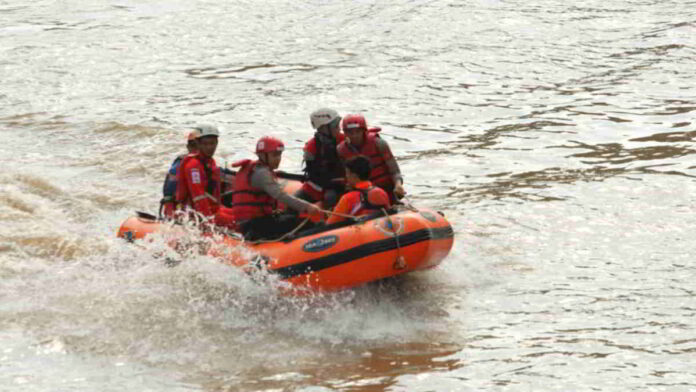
(365,197)
(360,140)
(168,202)
(257,193)
(199,180)
(323,168)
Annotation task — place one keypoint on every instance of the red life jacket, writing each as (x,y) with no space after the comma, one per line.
(249,202)
(210,182)
(379,175)
(325,167)
(321,154)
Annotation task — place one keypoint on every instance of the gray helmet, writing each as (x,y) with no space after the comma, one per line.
(323,116)
(206,130)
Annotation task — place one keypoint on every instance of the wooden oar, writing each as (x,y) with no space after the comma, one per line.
(145,215)
(280,174)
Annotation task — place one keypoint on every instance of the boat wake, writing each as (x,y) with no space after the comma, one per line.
(131,302)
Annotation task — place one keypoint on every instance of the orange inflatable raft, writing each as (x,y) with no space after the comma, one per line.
(342,255)
(338,256)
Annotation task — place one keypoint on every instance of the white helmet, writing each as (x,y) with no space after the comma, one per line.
(206,130)
(323,116)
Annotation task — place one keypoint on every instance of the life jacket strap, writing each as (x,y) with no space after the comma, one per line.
(314,186)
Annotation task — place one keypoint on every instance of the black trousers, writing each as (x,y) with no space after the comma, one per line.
(271,226)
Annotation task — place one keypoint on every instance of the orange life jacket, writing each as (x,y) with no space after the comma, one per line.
(364,199)
(249,202)
(372,199)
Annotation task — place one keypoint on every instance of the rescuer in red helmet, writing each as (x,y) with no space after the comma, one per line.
(360,140)
(257,192)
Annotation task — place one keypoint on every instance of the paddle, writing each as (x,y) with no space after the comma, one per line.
(145,215)
(279,174)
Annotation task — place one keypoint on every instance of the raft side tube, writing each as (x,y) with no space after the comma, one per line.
(342,255)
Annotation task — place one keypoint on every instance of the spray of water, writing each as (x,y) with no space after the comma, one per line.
(178,306)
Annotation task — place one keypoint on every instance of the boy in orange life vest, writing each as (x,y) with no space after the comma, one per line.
(168,202)
(385,171)
(198,180)
(323,168)
(365,198)
(257,191)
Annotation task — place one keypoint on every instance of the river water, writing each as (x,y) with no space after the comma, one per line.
(557,137)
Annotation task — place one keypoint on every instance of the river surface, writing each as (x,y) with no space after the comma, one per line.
(556,136)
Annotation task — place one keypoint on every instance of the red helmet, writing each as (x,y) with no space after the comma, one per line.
(269,144)
(354,121)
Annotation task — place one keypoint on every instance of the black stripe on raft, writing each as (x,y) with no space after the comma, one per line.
(361,251)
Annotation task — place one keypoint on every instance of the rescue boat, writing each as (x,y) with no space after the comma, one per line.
(337,256)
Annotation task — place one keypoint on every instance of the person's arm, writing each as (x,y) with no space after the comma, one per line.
(343,207)
(262,178)
(392,165)
(224,217)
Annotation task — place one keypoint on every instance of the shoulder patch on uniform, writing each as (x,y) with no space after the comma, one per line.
(195,176)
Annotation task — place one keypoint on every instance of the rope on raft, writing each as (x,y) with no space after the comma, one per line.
(302,224)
